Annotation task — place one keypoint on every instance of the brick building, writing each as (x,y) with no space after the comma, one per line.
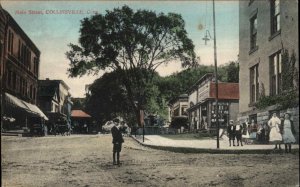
(265,28)
(19,72)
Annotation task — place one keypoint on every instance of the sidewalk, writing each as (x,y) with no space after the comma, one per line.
(206,146)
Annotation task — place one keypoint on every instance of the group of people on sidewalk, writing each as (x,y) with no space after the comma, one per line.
(276,131)
(282,131)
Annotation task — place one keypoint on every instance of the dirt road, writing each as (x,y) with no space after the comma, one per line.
(87,161)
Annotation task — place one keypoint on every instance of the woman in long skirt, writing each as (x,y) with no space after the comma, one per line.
(288,137)
(275,136)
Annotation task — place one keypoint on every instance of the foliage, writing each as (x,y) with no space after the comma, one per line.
(131,43)
(289,96)
(78,103)
(233,72)
(288,70)
(106,100)
(284,100)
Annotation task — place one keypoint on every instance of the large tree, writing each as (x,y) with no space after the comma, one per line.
(131,42)
(233,72)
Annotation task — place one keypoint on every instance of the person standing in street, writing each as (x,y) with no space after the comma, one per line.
(275,136)
(231,132)
(288,131)
(117,141)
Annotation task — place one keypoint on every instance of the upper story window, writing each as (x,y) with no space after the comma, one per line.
(10,42)
(19,50)
(275,74)
(35,66)
(275,16)
(254,84)
(253,32)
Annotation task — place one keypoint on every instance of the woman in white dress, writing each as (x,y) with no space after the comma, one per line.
(246,135)
(275,136)
(288,137)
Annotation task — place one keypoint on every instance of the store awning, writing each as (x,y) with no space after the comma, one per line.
(31,108)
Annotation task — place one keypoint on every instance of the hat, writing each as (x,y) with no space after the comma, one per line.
(288,112)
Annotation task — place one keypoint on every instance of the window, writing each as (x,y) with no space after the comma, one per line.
(10,42)
(176,112)
(9,74)
(253,32)
(31,92)
(35,66)
(275,16)
(254,84)
(25,89)
(29,59)
(19,50)
(14,80)
(275,74)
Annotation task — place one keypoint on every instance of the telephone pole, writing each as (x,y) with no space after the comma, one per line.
(216,76)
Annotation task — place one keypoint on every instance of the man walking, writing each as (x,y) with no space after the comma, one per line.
(117,141)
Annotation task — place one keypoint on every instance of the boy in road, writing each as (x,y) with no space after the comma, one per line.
(231,132)
(117,141)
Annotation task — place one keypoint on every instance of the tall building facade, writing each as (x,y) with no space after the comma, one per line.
(266,28)
(20,60)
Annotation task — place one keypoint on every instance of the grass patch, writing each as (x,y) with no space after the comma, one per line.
(189,136)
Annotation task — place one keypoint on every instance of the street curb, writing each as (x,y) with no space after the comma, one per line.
(214,151)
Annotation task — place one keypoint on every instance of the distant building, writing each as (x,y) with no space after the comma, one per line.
(201,100)
(55,100)
(19,72)
(82,122)
(178,106)
(265,27)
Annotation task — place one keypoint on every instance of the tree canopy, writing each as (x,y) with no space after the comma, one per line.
(132,43)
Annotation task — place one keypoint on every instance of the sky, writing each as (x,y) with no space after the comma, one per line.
(52,32)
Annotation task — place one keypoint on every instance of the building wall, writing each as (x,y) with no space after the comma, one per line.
(2,41)
(233,110)
(20,68)
(192,98)
(267,45)
(287,38)
(63,100)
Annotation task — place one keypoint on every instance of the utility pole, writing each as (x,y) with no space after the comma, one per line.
(216,76)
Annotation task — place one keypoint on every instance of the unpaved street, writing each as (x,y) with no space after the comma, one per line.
(87,161)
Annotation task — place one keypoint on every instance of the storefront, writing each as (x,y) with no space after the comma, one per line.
(19,114)
(202,105)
